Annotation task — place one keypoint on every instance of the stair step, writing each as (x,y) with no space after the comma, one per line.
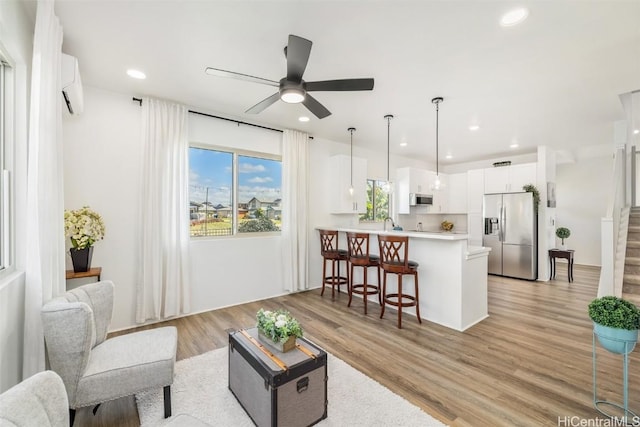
(631,279)
(631,270)
(631,288)
(632,260)
(633,243)
(633,298)
(632,252)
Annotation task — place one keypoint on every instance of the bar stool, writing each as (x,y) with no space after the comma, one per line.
(330,252)
(394,251)
(359,256)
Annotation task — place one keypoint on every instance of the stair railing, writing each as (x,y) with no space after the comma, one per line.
(614,230)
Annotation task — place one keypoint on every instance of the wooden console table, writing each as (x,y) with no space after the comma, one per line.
(561,253)
(93,272)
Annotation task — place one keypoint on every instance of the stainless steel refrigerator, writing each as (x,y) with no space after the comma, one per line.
(510,230)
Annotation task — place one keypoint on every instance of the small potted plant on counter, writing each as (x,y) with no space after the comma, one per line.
(615,322)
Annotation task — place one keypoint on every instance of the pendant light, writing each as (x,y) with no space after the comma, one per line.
(351,130)
(437,184)
(388,117)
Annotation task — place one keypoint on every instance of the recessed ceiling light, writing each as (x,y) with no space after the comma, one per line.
(514,17)
(514,145)
(403,144)
(303,119)
(448,156)
(474,127)
(636,131)
(136,74)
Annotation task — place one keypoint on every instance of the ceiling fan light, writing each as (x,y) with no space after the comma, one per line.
(292,96)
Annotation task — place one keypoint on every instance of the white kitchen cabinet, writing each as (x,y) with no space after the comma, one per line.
(457,193)
(509,179)
(521,175)
(342,201)
(496,180)
(410,180)
(475,191)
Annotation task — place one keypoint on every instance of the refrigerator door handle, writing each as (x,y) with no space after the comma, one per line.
(503,217)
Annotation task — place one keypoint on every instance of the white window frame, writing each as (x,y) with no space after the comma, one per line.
(7,152)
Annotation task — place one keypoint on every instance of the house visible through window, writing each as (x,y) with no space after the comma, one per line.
(233,192)
(377,201)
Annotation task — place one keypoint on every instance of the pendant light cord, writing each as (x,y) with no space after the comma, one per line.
(351,170)
(437,142)
(437,101)
(388,117)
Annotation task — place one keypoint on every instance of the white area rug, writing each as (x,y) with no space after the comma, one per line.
(201,389)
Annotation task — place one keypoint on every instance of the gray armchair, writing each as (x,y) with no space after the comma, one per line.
(38,401)
(95,369)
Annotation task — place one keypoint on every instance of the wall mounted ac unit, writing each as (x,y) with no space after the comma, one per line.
(71,84)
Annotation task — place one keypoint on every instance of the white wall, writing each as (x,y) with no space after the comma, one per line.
(583,190)
(102,154)
(16,39)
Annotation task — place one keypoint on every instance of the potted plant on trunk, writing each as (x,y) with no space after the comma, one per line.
(278,329)
(615,322)
(563,233)
(84,227)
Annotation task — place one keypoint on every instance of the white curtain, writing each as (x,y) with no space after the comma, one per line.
(45,252)
(163,289)
(295,208)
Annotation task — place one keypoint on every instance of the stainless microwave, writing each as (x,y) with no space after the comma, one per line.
(416,199)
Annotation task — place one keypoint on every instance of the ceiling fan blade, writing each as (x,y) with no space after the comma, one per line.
(239,76)
(260,106)
(297,51)
(340,85)
(315,107)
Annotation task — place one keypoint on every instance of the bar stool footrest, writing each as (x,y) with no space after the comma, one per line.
(407,300)
(359,289)
(340,280)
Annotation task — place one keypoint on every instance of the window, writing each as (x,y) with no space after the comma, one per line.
(6,147)
(233,192)
(377,201)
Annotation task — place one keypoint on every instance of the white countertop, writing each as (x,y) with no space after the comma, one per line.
(443,235)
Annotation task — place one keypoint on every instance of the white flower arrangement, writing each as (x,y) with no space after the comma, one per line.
(83,226)
(278,325)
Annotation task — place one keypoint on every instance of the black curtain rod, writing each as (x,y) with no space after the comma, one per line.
(139,100)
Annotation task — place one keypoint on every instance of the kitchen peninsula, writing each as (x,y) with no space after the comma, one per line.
(452,276)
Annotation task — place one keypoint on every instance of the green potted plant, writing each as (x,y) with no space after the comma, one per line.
(83,227)
(278,329)
(530,188)
(563,233)
(615,322)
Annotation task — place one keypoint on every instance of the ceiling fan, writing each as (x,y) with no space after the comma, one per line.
(292,88)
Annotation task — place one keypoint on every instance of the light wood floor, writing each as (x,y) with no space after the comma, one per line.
(528,364)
